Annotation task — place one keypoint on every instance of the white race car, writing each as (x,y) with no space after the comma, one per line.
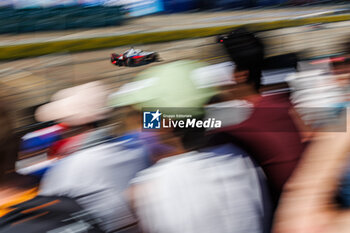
(133,57)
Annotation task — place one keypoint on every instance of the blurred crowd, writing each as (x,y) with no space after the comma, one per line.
(277,163)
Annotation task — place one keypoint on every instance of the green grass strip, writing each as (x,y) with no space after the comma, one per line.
(86,44)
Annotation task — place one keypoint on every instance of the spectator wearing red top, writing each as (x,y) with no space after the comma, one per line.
(269,133)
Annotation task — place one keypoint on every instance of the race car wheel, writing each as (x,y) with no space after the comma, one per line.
(155,57)
(114,59)
(129,62)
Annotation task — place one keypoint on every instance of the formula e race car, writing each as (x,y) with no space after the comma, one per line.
(134,57)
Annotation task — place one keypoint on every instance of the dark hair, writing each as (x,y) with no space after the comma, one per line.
(191,138)
(247,51)
(255,70)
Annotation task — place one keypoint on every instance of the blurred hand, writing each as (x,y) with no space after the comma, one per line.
(304,214)
(307,203)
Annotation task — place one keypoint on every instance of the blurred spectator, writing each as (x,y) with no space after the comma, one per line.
(14,188)
(98,171)
(81,108)
(21,210)
(217,189)
(196,188)
(269,132)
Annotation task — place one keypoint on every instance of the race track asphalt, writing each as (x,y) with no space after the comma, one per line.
(32,81)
